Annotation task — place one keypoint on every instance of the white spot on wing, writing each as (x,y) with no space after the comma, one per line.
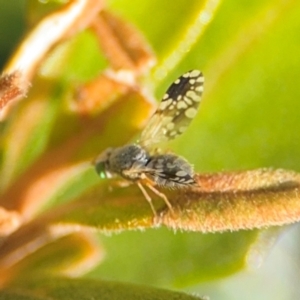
(190,113)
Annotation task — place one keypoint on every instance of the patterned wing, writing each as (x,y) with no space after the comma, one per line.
(170,170)
(176,110)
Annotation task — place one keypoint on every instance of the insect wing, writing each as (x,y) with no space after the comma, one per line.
(170,170)
(176,110)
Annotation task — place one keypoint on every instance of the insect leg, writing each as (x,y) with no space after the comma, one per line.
(161,195)
(148,198)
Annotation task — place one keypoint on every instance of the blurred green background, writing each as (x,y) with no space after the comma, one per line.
(249,118)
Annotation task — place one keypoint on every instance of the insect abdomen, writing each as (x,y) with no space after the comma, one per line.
(171,171)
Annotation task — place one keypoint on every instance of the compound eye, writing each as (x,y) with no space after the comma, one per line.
(100,169)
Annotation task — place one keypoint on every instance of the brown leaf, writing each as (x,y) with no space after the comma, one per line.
(237,200)
(13,86)
(21,68)
(9,221)
(123,45)
(48,251)
(223,201)
(73,153)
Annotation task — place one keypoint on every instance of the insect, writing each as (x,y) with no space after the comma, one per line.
(138,163)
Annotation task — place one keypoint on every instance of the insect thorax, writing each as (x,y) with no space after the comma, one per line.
(127,161)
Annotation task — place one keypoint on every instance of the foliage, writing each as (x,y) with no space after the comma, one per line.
(88,88)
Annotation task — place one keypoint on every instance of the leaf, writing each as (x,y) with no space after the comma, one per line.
(12,87)
(250,108)
(247,120)
(70,157)
(63,288)
(225,201)
(222,202)
(58,25)
(174,258)
(12,27)
(162,38)
(49,252)
(9,221)
(30,126)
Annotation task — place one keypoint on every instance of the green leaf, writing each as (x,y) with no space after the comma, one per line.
(12,26)
(173,259)
(250,107)
(160,36)
(30,126)
(57,253)
(65,289)
(248,119)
